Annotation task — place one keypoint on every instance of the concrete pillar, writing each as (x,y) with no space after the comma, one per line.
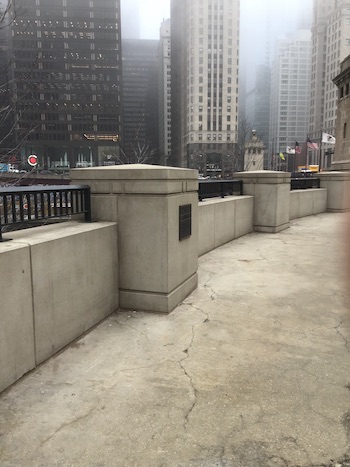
(271,191)
(157,270)
(338,190)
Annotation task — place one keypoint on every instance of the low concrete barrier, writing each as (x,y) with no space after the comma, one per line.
(57,282)
(223,220)
(60,280)
(307,202)
(337,185)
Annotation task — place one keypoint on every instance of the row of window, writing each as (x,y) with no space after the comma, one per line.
(344,91)
(212,137)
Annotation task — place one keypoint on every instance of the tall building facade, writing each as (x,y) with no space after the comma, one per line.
(204,75)
(7,143)
(321,11)
(330,46)
(290,92)
(341,159)
(140,101)
(66,71)
(164,57)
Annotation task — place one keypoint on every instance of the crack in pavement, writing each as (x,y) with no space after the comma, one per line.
(75,420)
(194,390)
(341,335)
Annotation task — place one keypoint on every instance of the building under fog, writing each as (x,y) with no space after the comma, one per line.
(204,74)
(258,107)
(140,101)
(66,68)
(290,92)
(164,57)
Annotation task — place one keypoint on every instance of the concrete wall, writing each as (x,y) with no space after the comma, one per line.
(271,198)
(307,202)
(57,282)
(223,220)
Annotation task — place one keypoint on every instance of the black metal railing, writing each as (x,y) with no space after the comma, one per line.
(219,188)
(22,207)
(303,183)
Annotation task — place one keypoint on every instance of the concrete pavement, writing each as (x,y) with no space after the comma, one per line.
(252,370)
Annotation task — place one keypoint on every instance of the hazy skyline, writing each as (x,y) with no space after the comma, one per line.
(262,22)
(282,16)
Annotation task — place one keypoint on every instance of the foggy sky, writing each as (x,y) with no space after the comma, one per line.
(152,13)
(283,14)
(262,22)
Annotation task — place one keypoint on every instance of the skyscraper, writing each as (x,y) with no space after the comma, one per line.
(290,91)
(164,56)
(204,74)
(318,66)
(140,100)
(330,46)
(66,72)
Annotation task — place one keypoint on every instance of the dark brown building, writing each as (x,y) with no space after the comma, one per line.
(67,76)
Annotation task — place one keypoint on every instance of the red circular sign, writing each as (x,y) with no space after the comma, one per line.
(32,160)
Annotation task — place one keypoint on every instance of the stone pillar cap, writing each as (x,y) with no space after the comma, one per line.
(134,172)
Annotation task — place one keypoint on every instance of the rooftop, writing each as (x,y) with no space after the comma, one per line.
(252,369)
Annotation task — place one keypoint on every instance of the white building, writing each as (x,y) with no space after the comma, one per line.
(204,49)
(254,153)
(164,56)
(290,91)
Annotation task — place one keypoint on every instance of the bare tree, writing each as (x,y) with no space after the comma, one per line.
(11,137)
(138,153)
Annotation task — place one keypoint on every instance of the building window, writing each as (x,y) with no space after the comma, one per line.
(344,130)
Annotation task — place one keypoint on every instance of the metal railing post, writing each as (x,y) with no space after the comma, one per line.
(87,202)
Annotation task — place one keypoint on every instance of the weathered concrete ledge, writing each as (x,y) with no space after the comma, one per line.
(223,220)
(338,190)
(57,282)
(307,202)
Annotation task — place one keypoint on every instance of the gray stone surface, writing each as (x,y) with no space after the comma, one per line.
(307,202)
(271,191)
(17,352)
(338,190)
(155,267)
(252,370)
